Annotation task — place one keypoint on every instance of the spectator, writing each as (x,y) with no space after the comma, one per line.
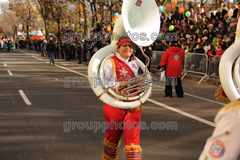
(230,11)
(91,48)
(79,51)
(224,10)
(236,11)
(85,51)
(199,48)
(44,47)
(218,14)
(225,38)
(51,50)
(215,61)
(172,60)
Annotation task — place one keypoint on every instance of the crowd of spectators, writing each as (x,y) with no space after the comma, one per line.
(210,35)
(199,33)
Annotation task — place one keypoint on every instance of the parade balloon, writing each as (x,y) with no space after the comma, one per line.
(171,6)
(197,31)
(117,14)
(175,2)
(187,14)
(172,1)
(171,28)
(170,14)
(90,21)
(162,17)
(160,9)
(181,10)
(164,8)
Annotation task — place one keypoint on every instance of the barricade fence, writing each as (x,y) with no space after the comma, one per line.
(197,63)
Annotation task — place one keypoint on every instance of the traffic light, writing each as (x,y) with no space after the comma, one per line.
(81,8)
(77,9)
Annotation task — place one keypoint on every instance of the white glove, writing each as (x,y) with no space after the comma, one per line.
(161,69)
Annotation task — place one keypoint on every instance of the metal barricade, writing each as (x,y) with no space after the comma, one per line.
(156,59)
(196,63)
(214,65)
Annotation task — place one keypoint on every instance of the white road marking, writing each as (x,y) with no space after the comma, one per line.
(27,62)
(182,112)
(10,73)
(71,71)
(24,97)
(5,64)
(209,100)
(37,58)
(161,104)
(164,105)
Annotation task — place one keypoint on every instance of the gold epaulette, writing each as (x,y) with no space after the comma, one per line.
(220,96)
(232,107)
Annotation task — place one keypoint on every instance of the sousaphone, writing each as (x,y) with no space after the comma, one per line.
(227,77)
(141,22)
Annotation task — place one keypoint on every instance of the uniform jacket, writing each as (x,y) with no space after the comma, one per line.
(173,59)
(224,144)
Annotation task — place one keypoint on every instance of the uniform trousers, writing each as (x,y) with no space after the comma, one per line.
(122,121)
(178,87)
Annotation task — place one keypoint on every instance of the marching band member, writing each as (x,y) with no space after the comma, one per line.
(224,144)
(121,68)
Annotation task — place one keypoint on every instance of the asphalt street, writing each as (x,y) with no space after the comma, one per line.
(42,117)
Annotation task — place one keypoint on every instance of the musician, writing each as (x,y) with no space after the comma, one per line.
(120,68)
(224,144)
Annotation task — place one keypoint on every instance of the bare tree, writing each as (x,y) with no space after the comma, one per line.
(23,10)
(43,7)
(57,8)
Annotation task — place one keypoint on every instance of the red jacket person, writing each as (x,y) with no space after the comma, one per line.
(172,60)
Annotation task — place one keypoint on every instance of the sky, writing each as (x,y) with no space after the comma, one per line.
(2,1)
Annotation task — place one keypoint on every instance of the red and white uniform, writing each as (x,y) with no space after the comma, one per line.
(119,68)
(224,144)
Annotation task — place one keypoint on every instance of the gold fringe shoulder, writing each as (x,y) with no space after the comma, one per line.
(221,96)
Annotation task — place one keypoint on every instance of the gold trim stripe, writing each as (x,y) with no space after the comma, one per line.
(106,90)
(238,33)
